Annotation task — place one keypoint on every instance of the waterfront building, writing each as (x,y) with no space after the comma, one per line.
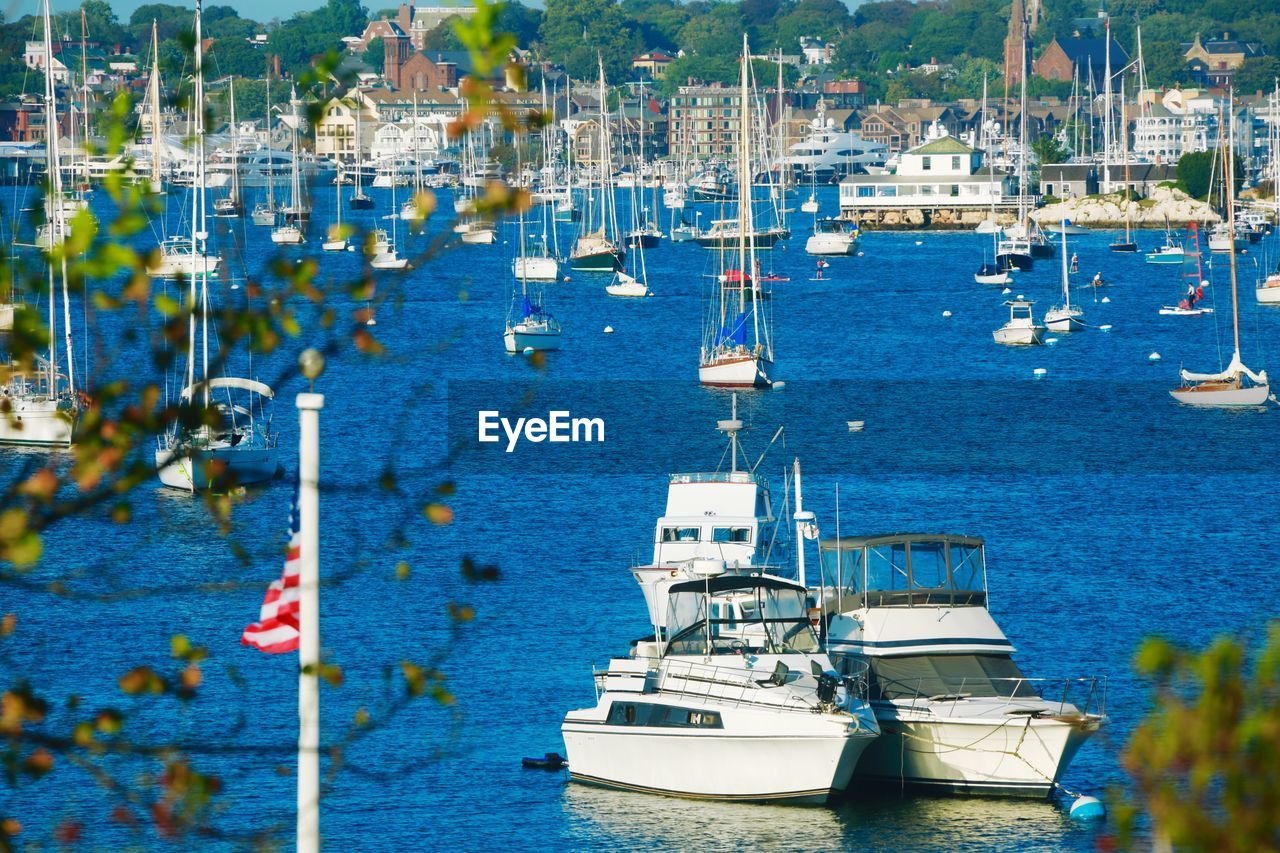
(940,173)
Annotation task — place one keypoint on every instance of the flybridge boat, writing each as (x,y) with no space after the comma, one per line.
(733,657)
(832,237)
(955,711)
(732,700)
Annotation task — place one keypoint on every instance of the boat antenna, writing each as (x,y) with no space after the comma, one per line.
(772,441)
(731,427)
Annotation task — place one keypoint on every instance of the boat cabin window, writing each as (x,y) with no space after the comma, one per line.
(929,565)
(954,676)
(681,534)
(731,534)
(667,716)
(913,571)
(732,615)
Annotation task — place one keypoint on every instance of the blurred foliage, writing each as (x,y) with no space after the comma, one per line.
(120,413)
(1205,762)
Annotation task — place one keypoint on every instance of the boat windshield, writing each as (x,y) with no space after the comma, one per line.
(934,676)
(904,570)
(738,615)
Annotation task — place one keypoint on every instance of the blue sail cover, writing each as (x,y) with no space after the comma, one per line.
(735,332)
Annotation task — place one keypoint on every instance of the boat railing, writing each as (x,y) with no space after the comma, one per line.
(740,687)
(719,477)
(1070,696)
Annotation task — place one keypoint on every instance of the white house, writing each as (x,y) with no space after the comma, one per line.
(1179,122)
(34,57)
(423,134)
(815,50)
(941,172)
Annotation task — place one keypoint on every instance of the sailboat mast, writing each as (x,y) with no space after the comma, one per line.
(1228,183)
(1022,139)
(1106,114)
(235,143)
(155,108)
(54,212)
(744,184)
(84,80)
(271,160)
(198,233)
(744,204)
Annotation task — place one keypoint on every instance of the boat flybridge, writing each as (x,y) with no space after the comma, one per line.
(720,515)
(955,711)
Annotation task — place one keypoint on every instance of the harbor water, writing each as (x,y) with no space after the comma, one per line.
(1110,514)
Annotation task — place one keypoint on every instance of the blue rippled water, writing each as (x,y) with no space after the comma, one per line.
(1110,514)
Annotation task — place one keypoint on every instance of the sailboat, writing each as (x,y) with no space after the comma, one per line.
(237,447)
(535,329)
(358,200)
(1189,305)
(1237,385)
(595,250)
(1127,245)
(289,232)
(264,213)
(230,206)
(1065,317)
(1015,251)
(992,273)
(736,315)
(634,283)
(1172,252)
(644,232)
(42,409)
(153,101)
(337,238)
(188,255)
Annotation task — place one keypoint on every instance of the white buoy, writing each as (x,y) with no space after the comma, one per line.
(235,287)
(608,330)
(1005,292)
(1154,357)
(1039,373)
(1020,296)
(856,426)
(946,313)
(778,386)
(1088,808)
(371,322)
(860,254)
(919,242)
(567,279)
(528,350)
(1105,328)
(1106,299)
(1050,341)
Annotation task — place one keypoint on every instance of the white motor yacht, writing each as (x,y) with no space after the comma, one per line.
(832,237)
(732,700)
(956,712)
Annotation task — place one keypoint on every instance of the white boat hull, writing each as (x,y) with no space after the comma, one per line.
(536,269)
(737,372)
(1254,395)
(40,422)
(189,469)
(287,236)
(1016,756)
(521,337)
(831,244)
(172,266)
(1269,294)
(479,236)
(389,261)
(627,288)
(998,279)
(753,763)
(1063,320)
(1019,335)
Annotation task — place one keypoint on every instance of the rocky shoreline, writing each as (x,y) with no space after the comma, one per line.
(1165,205)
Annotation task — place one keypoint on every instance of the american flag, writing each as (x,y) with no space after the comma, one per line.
(277,630)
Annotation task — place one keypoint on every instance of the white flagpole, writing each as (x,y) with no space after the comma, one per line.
(309,406)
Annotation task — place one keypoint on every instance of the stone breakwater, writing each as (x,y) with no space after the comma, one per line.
(1108,211)
(932,219)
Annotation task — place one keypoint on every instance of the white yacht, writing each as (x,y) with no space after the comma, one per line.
(238,450)
(832,237)
(732,700)
(955,711)
(1022,329)
(828,152)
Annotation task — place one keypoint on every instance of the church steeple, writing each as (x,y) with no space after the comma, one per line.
(1014,43)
